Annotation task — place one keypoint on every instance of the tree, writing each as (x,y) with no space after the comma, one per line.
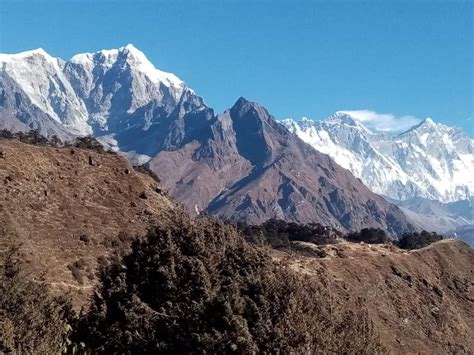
(418,240)
(198,287)
(370,236)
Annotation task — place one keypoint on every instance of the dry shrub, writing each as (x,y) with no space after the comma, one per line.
(31,320)
(198,287)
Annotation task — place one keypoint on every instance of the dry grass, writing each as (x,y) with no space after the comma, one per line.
(69,204)
(420,301)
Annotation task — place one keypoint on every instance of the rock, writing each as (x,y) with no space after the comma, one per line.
(148,212)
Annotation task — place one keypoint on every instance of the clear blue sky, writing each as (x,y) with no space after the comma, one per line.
(297,58)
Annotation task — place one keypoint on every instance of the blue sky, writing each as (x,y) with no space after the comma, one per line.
(298,58)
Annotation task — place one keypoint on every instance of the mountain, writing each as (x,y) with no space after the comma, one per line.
(437,216)
(117,95)
(241,164)
(465,233)
(430,160)
(36,94)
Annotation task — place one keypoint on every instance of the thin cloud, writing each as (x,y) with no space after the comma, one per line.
(383,122)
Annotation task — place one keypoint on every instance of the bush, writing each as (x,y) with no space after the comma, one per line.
(279,233)
(31,320)
(198,287)
(418,240)
(89,142)
(370,236)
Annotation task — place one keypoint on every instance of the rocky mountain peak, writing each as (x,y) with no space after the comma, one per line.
(429,160)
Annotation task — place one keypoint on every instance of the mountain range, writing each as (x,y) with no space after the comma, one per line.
(428,170)
(241,164)
(430,160)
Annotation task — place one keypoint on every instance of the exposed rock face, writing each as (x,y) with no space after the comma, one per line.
(249,167)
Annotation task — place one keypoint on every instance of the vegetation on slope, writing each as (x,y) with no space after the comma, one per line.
(198,287)
(31,320)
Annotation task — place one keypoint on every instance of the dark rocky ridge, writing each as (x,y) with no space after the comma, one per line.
(249,167)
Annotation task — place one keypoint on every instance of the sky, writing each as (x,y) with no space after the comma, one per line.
(390,62)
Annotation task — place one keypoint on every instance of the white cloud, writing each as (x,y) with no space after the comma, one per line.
(383,122)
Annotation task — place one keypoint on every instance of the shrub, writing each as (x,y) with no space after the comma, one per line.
(144,169)
(370,236)
(198,287)
(279,233)
(89,142)
(31,320)
(418,240)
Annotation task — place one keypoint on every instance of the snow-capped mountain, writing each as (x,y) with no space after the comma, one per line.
(241,165)
(430,160)
(37,79)
(117,82)
(104,93)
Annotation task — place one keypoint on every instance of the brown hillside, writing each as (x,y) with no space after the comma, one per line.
(421,302)
(70,206)
(67,206)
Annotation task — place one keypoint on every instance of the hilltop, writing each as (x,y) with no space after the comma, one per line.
(67,206)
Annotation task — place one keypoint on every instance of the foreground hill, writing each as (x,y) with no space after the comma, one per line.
(68,206)
(420,301)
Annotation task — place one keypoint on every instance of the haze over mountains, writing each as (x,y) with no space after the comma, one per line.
(241,164)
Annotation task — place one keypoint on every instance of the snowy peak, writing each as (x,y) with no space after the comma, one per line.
(342,117)
(32,54)
(100,93)
(41,79)
(135,59)
(430,160)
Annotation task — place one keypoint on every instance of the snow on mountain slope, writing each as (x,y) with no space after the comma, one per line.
(430,160)
(117,95)
(43,81)
(117,82)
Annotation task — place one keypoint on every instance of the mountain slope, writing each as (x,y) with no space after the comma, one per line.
(68,206)
(117,95)
(421,302)
(248,167)
(430,160)
(240,165)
